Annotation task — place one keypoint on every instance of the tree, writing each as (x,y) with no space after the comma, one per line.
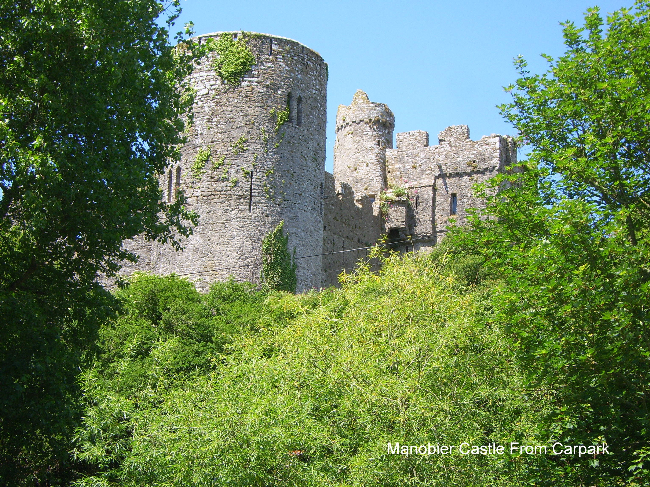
(278,265)
(587,118)
(568,238)
(92,101)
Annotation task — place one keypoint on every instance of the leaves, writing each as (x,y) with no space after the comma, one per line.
(567,235)
(278,264)
(234,59)
(92,103)
(586,119)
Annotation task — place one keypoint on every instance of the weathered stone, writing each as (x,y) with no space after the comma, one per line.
(257,173)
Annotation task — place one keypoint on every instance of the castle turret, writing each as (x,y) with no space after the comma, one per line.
(255,156)
(364,130)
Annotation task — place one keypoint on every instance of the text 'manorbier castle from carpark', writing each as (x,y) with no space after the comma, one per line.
(255,156)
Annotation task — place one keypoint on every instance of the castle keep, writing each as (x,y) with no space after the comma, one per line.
(256,154)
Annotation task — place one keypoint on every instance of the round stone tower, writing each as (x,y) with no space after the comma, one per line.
(364,130)
(255,156)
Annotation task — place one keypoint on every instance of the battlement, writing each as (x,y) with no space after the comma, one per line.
(364,111)
(255,156)
(454,135)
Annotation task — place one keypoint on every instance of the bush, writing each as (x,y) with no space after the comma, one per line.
(314,397)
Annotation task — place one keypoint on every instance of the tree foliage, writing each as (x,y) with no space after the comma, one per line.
(278,264)
(91,107)
(568,236)
(587,118)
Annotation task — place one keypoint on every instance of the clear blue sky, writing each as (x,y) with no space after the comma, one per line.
(433,63)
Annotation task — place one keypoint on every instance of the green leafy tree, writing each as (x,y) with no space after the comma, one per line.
(278,265)
(587,118)
(91,107)
(568,238)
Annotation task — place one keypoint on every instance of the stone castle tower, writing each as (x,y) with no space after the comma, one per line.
(364,130)
(255,156)
(410,193)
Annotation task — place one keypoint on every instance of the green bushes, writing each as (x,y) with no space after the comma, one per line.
(278,264)
(166,335)
(312,388)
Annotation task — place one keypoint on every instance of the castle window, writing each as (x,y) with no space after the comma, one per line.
(299,111)
(453,204)
(250,194)
(177,187)
(270,47)
(290,119)
(170,187)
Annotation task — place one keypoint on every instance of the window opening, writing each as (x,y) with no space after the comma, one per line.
(299,111)
(250,194)
(289,119)
(170,187)
(453,206)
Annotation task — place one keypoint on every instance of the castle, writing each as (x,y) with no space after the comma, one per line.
(255,156)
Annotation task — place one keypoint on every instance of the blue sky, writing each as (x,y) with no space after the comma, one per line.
(433,63)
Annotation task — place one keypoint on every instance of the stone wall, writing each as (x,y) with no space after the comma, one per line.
(440,178)
(243,173)
(352,220)
(351,224)
(257,173)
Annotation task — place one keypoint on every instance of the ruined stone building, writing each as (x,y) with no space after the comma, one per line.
(256,155)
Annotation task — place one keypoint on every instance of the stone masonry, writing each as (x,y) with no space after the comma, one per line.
(257,173)
(409,193)
(243,174)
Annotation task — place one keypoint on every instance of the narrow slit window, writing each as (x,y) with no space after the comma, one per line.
(270,47)
(453,204)
(250,194)
(177,187)
(170,187)
(290,119)
(299,111)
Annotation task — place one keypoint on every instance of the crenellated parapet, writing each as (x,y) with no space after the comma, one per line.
(416,190)
(255,156)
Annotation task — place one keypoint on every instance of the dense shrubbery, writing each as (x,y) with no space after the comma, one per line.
(243,388)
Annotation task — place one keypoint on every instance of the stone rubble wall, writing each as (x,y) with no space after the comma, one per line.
(351,224)
(256,175)
(433,174)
